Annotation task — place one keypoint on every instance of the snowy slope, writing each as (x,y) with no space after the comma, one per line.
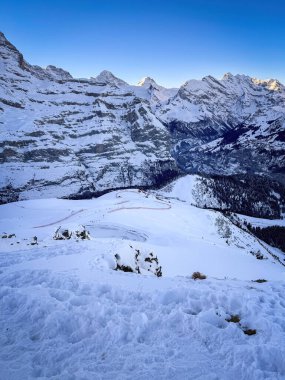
(162,226)
(255,196)
(66,313)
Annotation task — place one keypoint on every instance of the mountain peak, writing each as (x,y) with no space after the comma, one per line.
(227,76)
(147,82)
(105,74)
(3,39)
(106,77)
(271,84)
(237,77)
(58,73)
(7,44)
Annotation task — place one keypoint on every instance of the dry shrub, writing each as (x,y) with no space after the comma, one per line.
(198,276)
(250,331)
(234,319)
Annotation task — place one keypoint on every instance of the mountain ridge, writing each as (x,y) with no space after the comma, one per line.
(147,79)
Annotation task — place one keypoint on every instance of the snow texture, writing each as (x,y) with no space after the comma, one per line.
(66,313)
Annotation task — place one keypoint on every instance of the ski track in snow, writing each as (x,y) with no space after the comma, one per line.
(60,220)
(168,206)
(142,208)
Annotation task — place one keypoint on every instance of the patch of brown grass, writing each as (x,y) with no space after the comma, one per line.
(250,331)
(198,276)
(234,319)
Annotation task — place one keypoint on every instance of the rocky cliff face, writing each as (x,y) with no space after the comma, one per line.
(61,136)
(66,137)
(228,126)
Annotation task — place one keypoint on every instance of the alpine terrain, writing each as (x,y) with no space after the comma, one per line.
(79,137)
(141,227)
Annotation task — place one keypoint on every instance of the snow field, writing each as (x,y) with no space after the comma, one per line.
(119,325)
(65,313)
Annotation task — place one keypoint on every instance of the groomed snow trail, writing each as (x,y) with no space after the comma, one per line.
(142,208)
(60,220)
(168,206)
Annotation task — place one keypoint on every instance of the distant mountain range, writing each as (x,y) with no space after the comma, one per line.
(66,137)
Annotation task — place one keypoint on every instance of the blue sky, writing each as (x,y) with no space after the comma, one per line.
(171,41)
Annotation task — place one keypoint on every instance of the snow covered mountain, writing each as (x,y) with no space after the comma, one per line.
(157,94)
(233,125)
(61,136)
(70,137)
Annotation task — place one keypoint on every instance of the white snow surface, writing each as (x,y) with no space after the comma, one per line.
(67,314)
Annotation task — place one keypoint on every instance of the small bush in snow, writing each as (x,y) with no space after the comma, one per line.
(125,268)
(82,234)
(35,241)
(258,255)
(198,276)
(66,234)
(62,234)
(139,262)
(8,236)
